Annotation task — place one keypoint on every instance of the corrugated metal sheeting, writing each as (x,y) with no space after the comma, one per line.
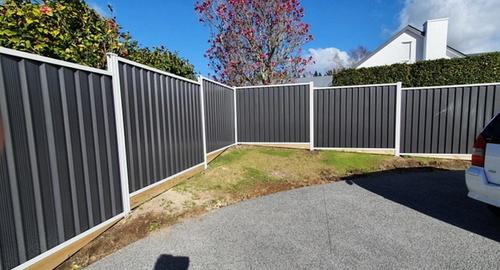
(219,115)
(361,117)
(273,113)
(59,156)
(163,127)
(59,172)
(446,120)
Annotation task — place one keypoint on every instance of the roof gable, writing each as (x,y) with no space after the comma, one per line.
(409,29)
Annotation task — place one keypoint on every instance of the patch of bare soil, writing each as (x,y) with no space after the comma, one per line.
(446,164)
(162,211)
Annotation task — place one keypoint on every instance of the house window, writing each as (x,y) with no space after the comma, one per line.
(407,52)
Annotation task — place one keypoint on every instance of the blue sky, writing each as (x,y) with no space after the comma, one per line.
(338,25)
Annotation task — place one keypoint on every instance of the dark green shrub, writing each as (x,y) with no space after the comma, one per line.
(72,31)
(468,70)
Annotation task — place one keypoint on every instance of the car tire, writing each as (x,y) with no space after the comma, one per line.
(495,210)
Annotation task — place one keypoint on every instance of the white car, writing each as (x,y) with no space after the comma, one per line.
(483,177)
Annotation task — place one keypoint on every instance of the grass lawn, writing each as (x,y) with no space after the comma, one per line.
(241,173)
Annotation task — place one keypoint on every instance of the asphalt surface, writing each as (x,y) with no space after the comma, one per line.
(411,220)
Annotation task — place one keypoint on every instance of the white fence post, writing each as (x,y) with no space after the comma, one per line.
(202,98)
(112,61)
(397,138)
(235,119)
(311,116)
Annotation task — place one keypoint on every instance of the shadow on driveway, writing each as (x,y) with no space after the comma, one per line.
(440,194)
(169,262)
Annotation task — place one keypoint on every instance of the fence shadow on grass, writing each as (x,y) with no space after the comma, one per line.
(169,262)
(440,194)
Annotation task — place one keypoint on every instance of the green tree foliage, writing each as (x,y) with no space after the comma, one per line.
(72,31)
(468,70)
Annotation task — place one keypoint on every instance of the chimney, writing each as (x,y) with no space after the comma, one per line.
(436,38)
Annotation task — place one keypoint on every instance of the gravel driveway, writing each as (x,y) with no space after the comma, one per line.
(411,220)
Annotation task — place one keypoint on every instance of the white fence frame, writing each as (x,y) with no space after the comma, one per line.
(397,127)
(435,155)
(201,79)
(311,115)
(113,71)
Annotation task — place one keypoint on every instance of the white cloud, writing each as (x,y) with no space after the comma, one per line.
(474,25)
(327,59)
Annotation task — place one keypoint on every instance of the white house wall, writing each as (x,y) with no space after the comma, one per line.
(435,41)
(398,51)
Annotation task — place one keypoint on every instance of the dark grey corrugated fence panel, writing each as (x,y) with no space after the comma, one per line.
(59,158)
(446,120)
(355,117)
(219,115)
(162,121)
(273,114)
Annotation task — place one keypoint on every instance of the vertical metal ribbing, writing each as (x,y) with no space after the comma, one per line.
(96,145)
(83,148)
(69,150)
(163,122)
(140,179)
(202,108)
(195,125)
(127,115)
(152,128)
(220,115)
(145,130)
(33,160)
(120,130)
(52,153)
(397,138)
(108,148)
(14,189)
(169,126)
(311,116)
(159,145)
(177,127)
(173,126)
(182,123)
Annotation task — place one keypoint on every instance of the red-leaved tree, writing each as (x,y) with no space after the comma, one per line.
(255,41)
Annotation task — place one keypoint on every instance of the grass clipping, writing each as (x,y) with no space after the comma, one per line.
(238,174)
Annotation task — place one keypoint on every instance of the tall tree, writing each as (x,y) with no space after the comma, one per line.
(255,41)
(358,53)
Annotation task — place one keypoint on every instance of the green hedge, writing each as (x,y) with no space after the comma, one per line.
(474,69)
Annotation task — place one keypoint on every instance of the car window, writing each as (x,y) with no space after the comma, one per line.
(492,130)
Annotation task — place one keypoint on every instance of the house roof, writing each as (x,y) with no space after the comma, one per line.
(408,28)
(321,81)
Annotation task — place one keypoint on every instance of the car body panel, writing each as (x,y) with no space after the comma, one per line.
(492,163)
(479,187)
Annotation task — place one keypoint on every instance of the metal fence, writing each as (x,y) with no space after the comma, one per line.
(162,123)
(76,143)
(273,114)
(59,170)
(355,116)
(219,101)
(446,119)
